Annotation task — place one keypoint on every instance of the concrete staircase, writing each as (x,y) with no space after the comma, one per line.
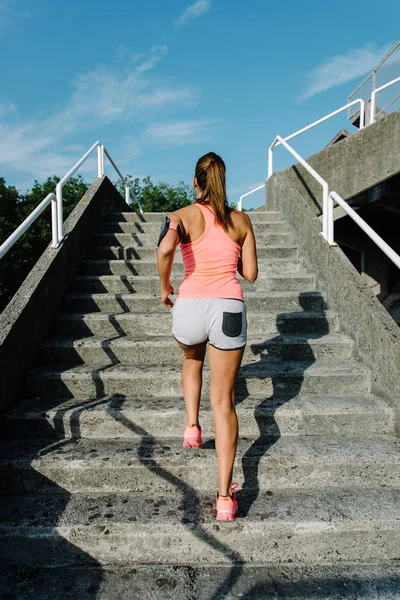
(100,500)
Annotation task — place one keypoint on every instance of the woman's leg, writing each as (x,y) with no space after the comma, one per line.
(192,371)
(224,366)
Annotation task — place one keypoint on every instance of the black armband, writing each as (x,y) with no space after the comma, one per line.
(166,225)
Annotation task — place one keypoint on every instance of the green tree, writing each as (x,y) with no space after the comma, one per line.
(160,197)
(14,208)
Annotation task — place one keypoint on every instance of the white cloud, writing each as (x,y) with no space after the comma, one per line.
(7,109)
(192,12)
(342,68)
(104,95)
(9,12)
(179,133)
(41,146)
(157,53)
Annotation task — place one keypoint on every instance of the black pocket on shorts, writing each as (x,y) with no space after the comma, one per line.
(232,324)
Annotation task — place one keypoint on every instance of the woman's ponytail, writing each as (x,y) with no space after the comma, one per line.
(211,179)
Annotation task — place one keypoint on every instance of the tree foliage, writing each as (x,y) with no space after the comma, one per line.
(160,197)
(14,208)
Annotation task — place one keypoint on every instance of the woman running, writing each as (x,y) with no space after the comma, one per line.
(216,242)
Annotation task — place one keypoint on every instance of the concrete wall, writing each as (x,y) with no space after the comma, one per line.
(352,165)
(377,337)
(27,318)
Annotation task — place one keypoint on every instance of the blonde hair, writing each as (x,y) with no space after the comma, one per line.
(211,179)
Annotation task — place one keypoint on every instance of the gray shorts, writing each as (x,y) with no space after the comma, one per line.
(221,321)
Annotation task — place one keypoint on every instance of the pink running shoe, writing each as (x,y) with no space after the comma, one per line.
(192,437)
(227,506)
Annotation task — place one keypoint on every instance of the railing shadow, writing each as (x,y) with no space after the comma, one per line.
(31,501)
(191,518)
(285,389)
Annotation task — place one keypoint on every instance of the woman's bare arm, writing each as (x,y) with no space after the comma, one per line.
(165,260)
(247,265)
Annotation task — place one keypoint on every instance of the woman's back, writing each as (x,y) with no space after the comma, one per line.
(210,257)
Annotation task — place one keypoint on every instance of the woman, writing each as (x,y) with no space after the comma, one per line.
(216,241)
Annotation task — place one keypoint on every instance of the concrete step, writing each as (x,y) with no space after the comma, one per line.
(108,417)
(151,285)
(180,581)
(255,216)
(322,526)
(154,228)
(109,252)
(149,267)
(163,350)
(283,379)
(139,240)
(146,303)
(157,465)
(134,324)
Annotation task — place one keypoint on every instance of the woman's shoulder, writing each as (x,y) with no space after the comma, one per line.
(184,212)
(240,219)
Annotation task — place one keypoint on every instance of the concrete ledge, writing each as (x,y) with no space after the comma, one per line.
(27,318)
(376,335)
(352,165)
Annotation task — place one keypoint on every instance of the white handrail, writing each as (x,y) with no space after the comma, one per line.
(333,114)
(240,203)
(56,201)
(390,253)
(60,184)
(373,97)
(14,237)
(373,74)
(327,220)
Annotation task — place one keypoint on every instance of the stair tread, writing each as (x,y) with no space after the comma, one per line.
(248,294)
(168,341)
(307,511)
(156,277)
(149,261)
(345,579)
(305,403)
(261,369)
(287,450)
(301,314)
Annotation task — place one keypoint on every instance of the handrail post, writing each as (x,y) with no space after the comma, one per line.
(240,204)
(270,159)
(325,213)
(362,114)
(60,232)
(100,162)
(54,232)
(331,233)
(127,194)
(373,108)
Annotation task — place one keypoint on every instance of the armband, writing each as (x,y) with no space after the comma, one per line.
(168,224)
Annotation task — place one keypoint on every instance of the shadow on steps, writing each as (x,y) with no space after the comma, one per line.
(282,393)
(21,511)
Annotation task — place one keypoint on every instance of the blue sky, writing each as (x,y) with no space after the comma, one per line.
(161,82)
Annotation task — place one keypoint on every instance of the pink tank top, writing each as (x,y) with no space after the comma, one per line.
(210,263)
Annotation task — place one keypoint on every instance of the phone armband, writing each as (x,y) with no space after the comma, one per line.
(166,225)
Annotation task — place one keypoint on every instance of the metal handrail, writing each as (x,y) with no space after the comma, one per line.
(387,106)
(31,218)
(373,72)
(373,97)
(240,203)
(332,114)
(56,201)
(327,211)
(390,253)
(327,223)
